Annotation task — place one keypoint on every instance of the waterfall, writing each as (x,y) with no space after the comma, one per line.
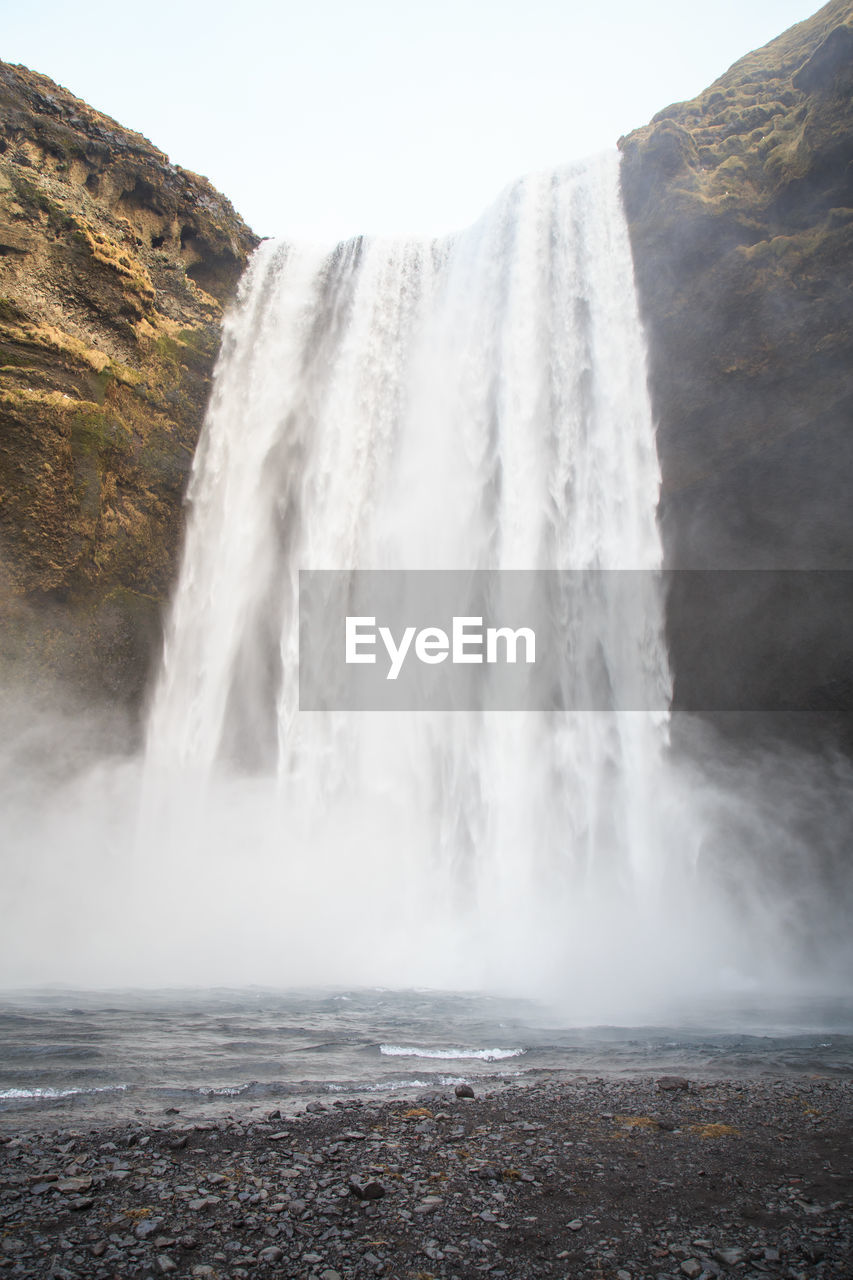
(469,403)
(472,408)
(476,402)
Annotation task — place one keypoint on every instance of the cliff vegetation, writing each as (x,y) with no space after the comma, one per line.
(114,268)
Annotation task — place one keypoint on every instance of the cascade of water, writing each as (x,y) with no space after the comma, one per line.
(477,402)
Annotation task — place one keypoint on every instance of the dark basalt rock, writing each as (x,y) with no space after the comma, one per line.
(740,206)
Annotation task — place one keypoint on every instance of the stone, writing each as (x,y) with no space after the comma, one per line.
(671,1084)
(147,1227)
(692,1268)
(729,1257)
(428,1205)
(464,1091)
(74,1184)
(271,1254)
(575,1225)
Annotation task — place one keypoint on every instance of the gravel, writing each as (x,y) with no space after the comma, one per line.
(585,1179)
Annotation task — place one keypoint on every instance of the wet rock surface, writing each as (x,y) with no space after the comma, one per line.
(586,1178)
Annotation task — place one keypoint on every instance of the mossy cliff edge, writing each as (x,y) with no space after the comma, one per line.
(114,268)
(740,206)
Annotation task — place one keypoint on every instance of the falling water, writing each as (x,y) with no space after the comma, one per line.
(477,402)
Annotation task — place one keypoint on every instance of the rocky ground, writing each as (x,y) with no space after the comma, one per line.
(601,1178)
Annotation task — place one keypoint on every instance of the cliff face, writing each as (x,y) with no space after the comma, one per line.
(114,268)
(740,206)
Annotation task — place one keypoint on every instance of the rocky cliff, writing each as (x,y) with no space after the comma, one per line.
(740,206)
(114,268)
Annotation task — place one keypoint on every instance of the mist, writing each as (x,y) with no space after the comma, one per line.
(115,879)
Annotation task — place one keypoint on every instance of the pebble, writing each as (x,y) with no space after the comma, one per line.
(524,1160)
(729,1257)
(148,1227)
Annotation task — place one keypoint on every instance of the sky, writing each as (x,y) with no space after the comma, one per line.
(326,118)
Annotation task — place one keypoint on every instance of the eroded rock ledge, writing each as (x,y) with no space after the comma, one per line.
(114,268)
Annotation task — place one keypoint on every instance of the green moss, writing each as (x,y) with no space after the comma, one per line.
(164,461)
(767,251)
(32,198)
(101,435)
(167,348)
(192,348)
(733,166)
(201,340)
(8,360)
(100,443)
(10,312)
(99,384)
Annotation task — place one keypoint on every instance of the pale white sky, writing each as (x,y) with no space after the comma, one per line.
(330,118)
